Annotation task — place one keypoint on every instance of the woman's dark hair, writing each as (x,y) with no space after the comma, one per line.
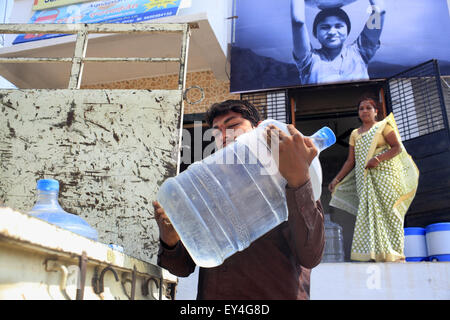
(376,105)
(243,107)
(335,12)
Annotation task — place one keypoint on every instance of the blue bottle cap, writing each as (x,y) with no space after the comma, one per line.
(116,247)
(48,185)
(325,136)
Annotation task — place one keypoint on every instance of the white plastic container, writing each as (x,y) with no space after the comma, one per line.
(415,244)
(220,205)
(438,241)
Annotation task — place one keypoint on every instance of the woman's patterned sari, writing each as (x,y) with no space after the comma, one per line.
(379,197)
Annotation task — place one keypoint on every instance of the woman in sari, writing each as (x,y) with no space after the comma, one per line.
(377,183)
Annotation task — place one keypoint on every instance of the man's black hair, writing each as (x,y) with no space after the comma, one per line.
(335,12)
(243,107)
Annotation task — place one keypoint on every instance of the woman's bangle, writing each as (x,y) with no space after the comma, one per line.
(337,180)
(376,158)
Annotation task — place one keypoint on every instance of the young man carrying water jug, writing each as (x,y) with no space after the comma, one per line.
(277,265)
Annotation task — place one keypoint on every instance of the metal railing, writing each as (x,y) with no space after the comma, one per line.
(271,104)
(83,30)
(415,97)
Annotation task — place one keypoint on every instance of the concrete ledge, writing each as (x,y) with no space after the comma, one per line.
(381,281)
(22,230)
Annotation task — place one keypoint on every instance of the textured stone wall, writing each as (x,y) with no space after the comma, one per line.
(214,90)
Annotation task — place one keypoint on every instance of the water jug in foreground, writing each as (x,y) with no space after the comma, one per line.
(220,205)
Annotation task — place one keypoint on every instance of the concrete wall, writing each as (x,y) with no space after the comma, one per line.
(214,90)
(381,281)
(217,13)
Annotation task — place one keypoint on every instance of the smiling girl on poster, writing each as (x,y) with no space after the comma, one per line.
(334,61)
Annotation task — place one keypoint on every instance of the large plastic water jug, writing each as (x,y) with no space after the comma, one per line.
(220,205)
(48,208)
(334,241)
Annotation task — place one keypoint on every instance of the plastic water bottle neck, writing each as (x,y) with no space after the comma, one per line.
(323,138)
(47,198)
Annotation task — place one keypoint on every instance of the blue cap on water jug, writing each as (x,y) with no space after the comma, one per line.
(323,138)
(48,185)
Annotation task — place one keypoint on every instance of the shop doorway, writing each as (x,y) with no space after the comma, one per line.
(334,106)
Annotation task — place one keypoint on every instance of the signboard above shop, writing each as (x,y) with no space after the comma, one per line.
(334,41)
(46,4)
(109,11)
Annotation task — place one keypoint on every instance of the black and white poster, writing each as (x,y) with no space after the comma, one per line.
(282,43)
